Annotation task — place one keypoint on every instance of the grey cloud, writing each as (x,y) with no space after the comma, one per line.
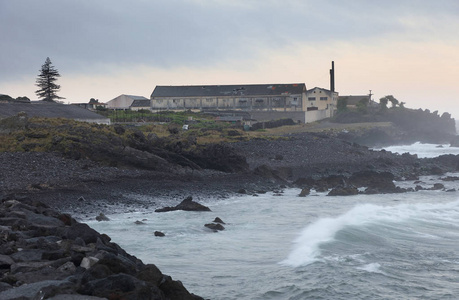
(87,36)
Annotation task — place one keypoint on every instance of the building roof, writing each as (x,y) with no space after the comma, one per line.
(133,97)
(141,103)
(48,110)
(318,88)
(229,90)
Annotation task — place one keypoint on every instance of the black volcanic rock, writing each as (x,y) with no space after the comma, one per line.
(188,205)
(45,255)
(343,191)
(215,227)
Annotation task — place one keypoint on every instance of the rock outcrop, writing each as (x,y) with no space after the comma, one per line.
(46,254)
(188,205)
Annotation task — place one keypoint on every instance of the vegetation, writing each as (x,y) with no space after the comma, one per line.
(45,134)
(46,82)
(362,105)
(341,106)
(418,123)
(149,146)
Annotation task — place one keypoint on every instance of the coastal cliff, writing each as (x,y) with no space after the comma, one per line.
(407,126)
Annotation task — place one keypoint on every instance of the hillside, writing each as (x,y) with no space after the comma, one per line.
(406,126)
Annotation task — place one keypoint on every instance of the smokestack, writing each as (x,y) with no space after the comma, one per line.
(332,77)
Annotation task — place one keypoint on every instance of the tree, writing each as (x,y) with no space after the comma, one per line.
(383,103)
(362,105)
(46,82)
(341,106)
(392,100)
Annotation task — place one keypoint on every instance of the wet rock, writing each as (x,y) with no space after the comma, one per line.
(218,220)
(215,227)
(437,186)
(450,178)
(121,286)
(419,188)
(5,261)
(42,257)
(159,234)
(304,192)
(188,205)
(343,191)
(102,217)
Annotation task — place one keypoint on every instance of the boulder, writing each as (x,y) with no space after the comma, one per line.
(304,192)
(343,191)
(215,227)
(218,220)
(437,186)
(188,205)
(159,233)
(382,182)
(102,217)
(43,257)
(242,191)
(121,286)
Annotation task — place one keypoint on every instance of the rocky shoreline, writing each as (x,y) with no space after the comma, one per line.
(45,254)
(45,187)
(83,188)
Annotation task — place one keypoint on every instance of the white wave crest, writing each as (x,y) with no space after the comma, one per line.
(371,268)
(306,247)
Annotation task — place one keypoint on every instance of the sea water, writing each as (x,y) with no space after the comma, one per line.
(281,246)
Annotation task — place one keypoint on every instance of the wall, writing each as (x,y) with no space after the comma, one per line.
(105,121)
(286,103)
(316,115)
(277,115)
(137,108)
(120,102)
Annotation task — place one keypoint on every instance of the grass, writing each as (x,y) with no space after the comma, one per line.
(44,134)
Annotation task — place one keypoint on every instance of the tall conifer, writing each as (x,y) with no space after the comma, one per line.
(46,82)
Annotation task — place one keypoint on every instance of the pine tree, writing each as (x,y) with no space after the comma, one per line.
(46,82)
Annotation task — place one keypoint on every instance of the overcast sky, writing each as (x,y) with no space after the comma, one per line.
(104,48)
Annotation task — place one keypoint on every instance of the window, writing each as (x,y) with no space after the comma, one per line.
(324,98)
(311,98)
(208,99)
(259,100)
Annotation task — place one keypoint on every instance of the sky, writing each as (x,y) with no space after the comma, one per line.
(105,48)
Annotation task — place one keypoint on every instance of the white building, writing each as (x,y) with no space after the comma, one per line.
(124,101)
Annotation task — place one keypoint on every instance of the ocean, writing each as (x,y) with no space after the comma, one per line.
(281,246)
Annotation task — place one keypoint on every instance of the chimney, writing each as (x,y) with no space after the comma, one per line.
(332,77)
